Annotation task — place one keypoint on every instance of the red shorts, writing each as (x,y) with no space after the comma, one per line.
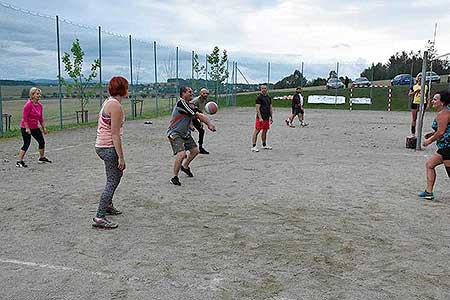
(262,124)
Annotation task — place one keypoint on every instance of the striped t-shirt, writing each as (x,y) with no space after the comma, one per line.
(182,115)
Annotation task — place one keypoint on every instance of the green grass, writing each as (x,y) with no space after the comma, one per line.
(400,99)
(52,119)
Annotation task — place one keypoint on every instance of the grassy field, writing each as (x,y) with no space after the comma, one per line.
(151,108)
(400,99)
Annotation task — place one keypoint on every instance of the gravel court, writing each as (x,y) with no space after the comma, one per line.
(329,213)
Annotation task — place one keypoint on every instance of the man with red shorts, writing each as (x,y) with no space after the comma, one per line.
(264,115)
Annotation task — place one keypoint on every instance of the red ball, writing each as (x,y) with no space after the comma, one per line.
(211,107)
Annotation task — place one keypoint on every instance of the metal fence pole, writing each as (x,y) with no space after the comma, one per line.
(337,75)
(100,61)
(268,75)
(59,73)
(226,87)
(303,76)
(422,102)
(192,65)
(1,112)
(235,91)
(206,69)
(131,79)
(178,85)
(156,77)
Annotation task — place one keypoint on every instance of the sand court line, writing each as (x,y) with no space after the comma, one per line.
(52,267)
(69,147)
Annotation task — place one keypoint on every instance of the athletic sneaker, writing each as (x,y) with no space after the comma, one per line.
(267,147)
(111,210)
(104,223)
(175,181)
(44,160)
(426,195)
(287,122)
(255,149)
(304,124)
(187,171)
(21,164)
(203,151)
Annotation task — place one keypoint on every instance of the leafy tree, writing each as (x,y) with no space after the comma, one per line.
(291,81)
(317,82)
(74,69)
(218,70)
(198,69)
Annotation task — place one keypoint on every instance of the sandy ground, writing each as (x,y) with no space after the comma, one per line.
(330,213)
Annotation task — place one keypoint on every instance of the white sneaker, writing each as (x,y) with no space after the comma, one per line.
(267,147)
(254,149)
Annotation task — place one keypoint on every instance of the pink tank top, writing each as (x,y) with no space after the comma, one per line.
(104,133)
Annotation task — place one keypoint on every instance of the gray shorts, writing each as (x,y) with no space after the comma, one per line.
(181,144)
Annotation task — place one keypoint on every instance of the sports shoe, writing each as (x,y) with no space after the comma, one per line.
(255,149)
(203,151)
(112,211)
(187,171)
(287,122)
(104,223)
(21,164)
(267,147)
(426,195)
(175,181)
(44,160)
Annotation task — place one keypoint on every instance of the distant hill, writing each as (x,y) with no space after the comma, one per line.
(16,82)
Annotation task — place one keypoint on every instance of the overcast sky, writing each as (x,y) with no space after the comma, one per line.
(285,32)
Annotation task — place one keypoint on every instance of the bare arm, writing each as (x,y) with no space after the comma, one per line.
(116,114)
(258,111)
(442,120)
(203,118)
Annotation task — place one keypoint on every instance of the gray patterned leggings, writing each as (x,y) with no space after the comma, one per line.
(113,176)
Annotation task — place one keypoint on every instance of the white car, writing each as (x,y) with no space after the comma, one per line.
(431,75)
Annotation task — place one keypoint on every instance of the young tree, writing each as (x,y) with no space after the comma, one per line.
(218,70)
(74,68)
(198,69)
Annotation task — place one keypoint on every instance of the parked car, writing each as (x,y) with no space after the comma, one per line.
(334,83)
(433,76)
(402,79)
(361,82)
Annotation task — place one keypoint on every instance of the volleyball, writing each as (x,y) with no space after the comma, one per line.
(211,107)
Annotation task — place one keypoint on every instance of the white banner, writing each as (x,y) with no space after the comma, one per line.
(361,100)
(316,99)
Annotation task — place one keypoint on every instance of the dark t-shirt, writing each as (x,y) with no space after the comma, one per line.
(265,102)
(296,102)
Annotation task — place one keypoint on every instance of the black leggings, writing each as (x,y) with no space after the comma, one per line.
(37,134)
(201,131)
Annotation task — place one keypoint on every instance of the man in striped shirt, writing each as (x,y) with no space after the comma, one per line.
(179,133)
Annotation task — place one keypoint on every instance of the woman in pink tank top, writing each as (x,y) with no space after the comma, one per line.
(108,147)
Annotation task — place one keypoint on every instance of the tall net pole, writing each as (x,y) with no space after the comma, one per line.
(156,76)
(422,102)
(1,112)
(59,73)
(100,64)
(131,79)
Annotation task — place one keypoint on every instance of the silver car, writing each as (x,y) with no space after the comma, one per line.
(431,76)
(361,82)
(334,83)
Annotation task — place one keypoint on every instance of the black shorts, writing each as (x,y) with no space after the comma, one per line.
(416,106)
(297,111)
(445,152)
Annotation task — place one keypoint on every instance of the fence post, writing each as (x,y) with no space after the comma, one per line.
(235,80)
(59,73)
(100,61)
(131,79)
(178,85)
(1,111)
(206,69)
(422,102)
(227,101)
(390,99)
(303,76)
(268,75)
(192,66)
(156,77)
